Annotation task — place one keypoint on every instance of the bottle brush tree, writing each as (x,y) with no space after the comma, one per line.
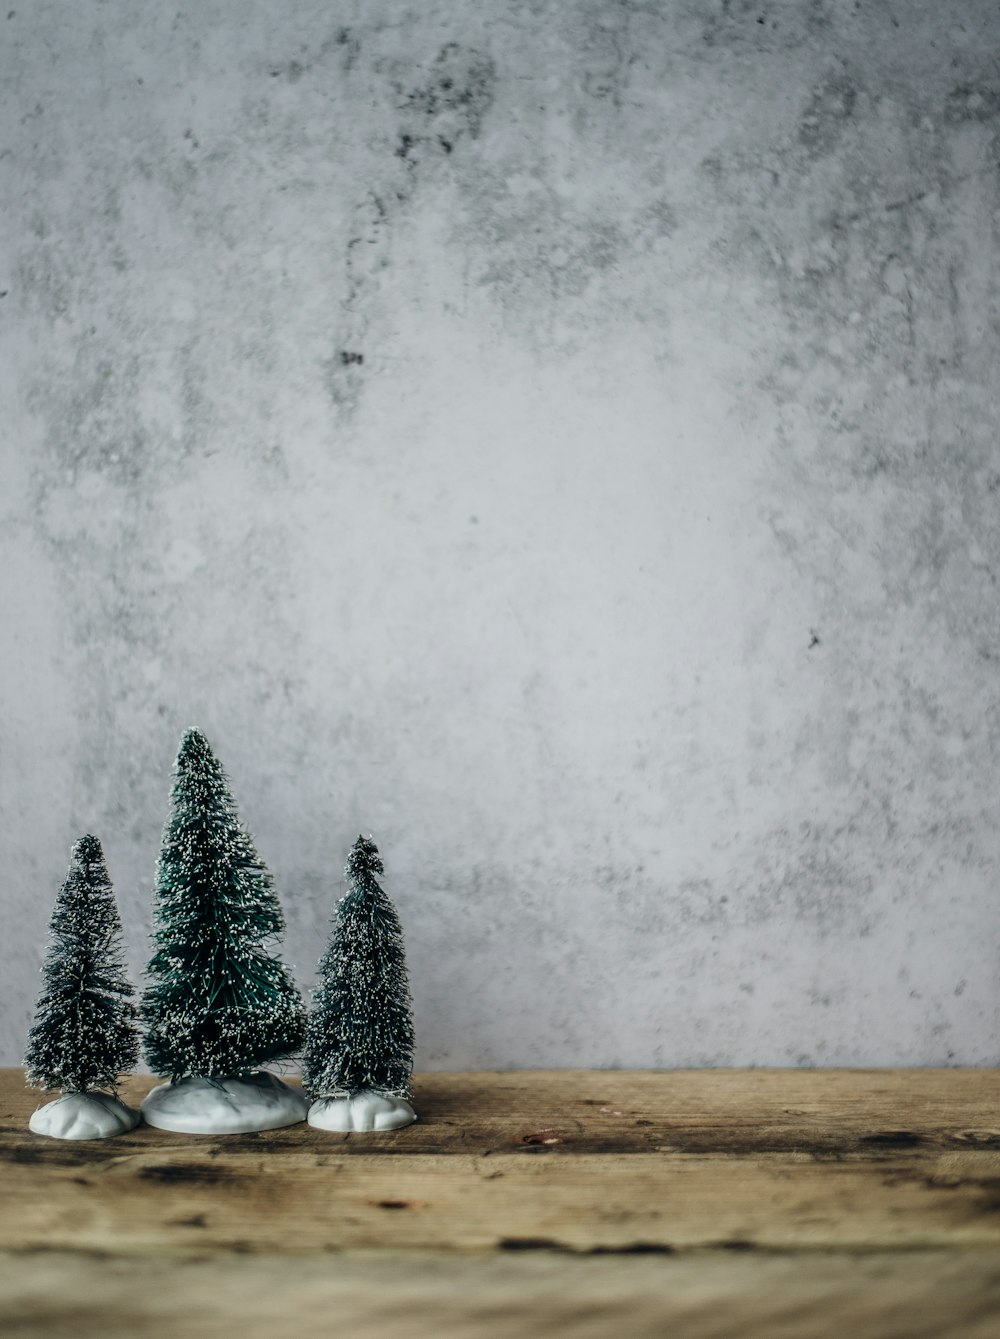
(219,1003)
(84,1035)
(360,1031)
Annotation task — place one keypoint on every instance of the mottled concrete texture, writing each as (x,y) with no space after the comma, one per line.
(557,437)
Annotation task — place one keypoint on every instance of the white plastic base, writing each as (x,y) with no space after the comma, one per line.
(366,1110)
(93,1115)
(197,1105)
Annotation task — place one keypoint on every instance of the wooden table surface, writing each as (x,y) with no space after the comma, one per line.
(737,1204)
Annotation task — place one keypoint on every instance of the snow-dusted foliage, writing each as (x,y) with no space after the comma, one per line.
(360,1031)
(219,1003)
(84,1033)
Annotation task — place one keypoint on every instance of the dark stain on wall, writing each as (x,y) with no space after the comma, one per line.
(460,87)
(342,44)
(758,25)
(607,53)
(972,102)
(435,118)
(449,106)
(827,114)
(535,243)
(366,261)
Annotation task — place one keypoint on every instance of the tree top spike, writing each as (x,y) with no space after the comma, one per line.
(88,848)
(364,858)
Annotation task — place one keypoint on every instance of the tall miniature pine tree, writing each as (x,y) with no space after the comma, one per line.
(219,1004)
(360,1032)
(84,1035)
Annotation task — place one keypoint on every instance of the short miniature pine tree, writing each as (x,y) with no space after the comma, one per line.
(219,1004)
(360,1031)
(84,1033)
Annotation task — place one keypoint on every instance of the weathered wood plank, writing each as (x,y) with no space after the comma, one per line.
(921,1172)
(703,1203)
(152,1201)
(568,1112)
(540,1295)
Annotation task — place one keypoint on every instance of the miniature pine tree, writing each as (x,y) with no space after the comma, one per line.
(360,1032)
(84,1034)
(219,1004)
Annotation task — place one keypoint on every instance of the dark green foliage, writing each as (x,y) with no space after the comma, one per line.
(219,1004)
(360,1032)
(84,1033)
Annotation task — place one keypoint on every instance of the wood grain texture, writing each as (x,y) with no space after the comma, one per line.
(568,1112)
(659,1197)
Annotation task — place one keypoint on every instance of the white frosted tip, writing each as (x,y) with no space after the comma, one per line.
(197,1105)
(365,1110)
(92,1115)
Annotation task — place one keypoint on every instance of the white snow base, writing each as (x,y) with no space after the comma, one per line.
(365,1110)
(92,1115)
(196,1105)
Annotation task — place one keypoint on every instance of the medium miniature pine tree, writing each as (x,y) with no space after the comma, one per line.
(84,1035)
(360,1031)
(220,1005)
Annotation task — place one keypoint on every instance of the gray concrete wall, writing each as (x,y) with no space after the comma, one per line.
(557,437)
